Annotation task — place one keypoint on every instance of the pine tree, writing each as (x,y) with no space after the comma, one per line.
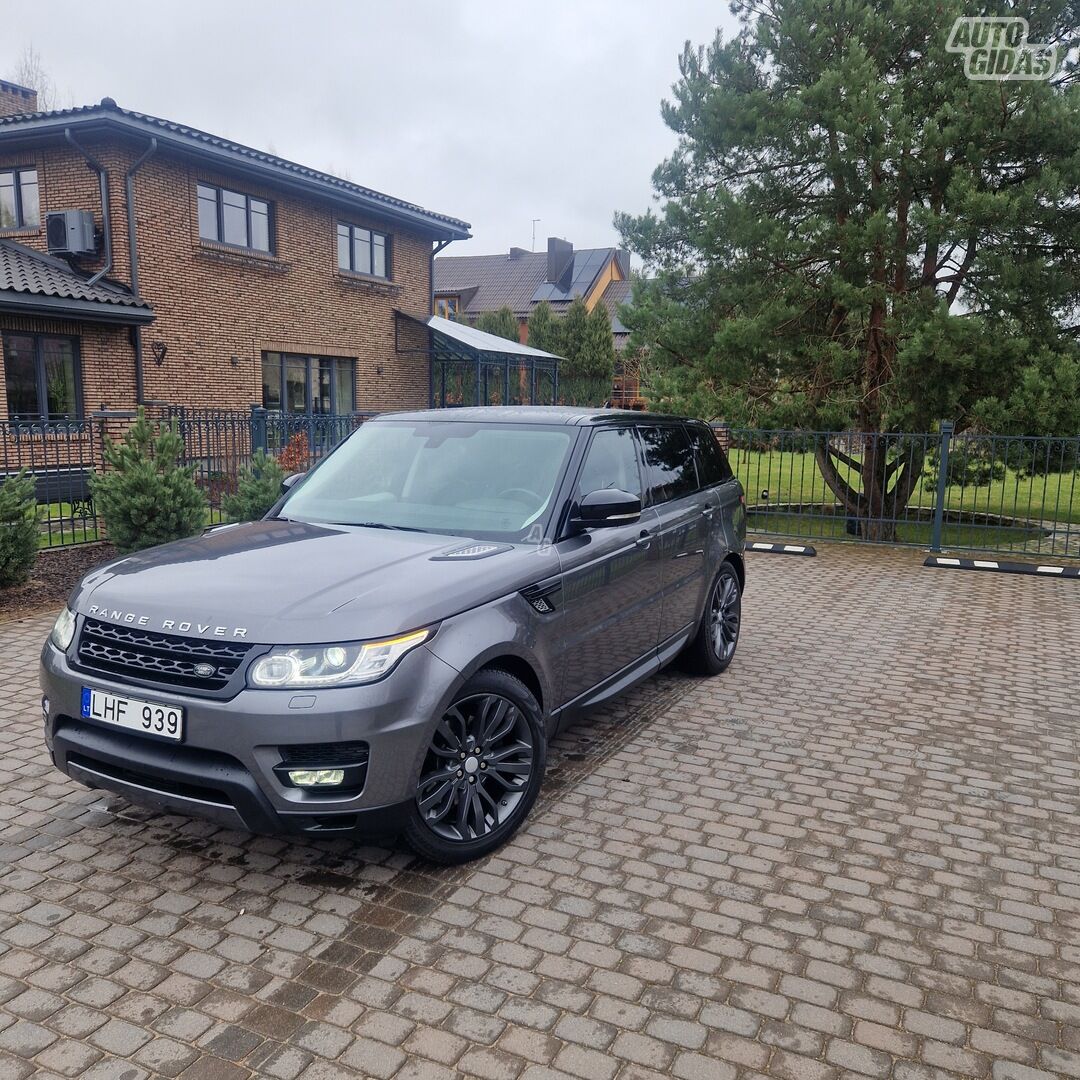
(585,375)
(257,489)
(857,237)
(18,528)
(574,333)
(502,323)
(145,495)
(600,344)
(544,329)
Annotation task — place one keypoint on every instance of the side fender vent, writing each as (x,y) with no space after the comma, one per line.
(476,550)
(544,596)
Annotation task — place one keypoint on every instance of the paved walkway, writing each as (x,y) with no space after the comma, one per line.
(855,854)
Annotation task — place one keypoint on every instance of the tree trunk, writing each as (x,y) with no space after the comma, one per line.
(885,483)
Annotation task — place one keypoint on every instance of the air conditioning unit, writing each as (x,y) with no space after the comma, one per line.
(70,232)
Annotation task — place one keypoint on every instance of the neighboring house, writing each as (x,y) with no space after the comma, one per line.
(466,286)
(193,270)
(469,285)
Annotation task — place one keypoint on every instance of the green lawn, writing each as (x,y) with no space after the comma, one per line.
(829,526)
(795,478)
(58,528)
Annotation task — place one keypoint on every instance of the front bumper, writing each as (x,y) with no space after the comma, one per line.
(224,767)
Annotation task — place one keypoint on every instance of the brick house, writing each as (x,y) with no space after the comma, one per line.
(469,285)
(200,272)
(466,286)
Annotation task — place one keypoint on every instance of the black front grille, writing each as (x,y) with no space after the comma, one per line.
(158,658)
(325,754)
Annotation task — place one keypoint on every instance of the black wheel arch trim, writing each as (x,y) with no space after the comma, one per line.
(739,563)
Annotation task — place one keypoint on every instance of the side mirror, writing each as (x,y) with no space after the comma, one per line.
(607,508)
(291,481)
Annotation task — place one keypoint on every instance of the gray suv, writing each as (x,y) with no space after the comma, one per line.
(391,648)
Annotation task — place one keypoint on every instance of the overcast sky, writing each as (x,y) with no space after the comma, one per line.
(495,112)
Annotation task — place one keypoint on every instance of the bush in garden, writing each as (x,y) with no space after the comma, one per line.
(18,528)
(296,455)
(257,489)
(145,495)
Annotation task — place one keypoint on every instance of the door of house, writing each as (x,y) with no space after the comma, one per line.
(308,394)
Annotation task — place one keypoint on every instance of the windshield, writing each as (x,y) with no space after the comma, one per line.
(490,481)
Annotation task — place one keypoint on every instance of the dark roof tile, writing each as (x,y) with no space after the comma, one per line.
(517,283)
(499,280)
(23,270)
(617,292)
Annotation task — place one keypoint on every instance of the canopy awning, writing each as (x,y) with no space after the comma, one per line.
(481,341)
(472,367)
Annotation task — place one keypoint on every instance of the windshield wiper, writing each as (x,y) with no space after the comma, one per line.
(379,525)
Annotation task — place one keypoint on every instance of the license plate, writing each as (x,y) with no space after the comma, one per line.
(134,714)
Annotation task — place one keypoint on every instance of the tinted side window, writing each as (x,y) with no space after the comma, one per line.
(670,460)
(611,462)
(712,463)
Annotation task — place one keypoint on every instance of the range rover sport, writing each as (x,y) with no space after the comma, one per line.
(391,648)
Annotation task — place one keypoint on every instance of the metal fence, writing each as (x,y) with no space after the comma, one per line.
(941,491)
(219,443)
(63,455)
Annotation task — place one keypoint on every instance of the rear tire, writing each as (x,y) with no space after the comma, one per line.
(713,646)
(482,771)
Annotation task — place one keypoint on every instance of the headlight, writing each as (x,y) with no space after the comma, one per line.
(63,630)
(306,667)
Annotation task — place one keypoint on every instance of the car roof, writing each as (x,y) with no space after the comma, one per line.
(528,414)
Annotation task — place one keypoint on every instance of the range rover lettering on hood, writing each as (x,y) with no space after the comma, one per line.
(178,626)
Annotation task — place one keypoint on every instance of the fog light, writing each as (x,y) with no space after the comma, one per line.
(316,777)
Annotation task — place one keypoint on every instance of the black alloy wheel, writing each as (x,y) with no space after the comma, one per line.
(481,772)
(712,648)
(725,612)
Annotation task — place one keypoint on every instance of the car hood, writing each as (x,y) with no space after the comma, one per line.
(288,582)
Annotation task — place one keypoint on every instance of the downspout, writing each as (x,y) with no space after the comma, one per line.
(133,256)
(441,245)
(103,184)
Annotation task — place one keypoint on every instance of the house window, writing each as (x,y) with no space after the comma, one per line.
(447,306)
(314,385)
(42,377)
(229,217)
(363,251)
(19,208)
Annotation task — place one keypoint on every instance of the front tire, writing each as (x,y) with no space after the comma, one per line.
(481,773)
(713,647)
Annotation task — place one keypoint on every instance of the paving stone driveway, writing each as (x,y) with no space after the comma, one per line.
(855,854)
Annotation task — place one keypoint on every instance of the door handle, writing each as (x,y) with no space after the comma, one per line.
(708,511)
(644,540)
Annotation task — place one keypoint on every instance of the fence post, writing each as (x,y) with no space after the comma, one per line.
(942,483)
(258,428)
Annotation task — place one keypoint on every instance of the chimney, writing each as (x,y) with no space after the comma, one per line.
(15,99)
(517,253)
(560,262)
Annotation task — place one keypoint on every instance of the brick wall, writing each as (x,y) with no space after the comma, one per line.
(218,309)
(16,99)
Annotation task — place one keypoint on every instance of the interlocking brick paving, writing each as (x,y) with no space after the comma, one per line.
(857,853)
